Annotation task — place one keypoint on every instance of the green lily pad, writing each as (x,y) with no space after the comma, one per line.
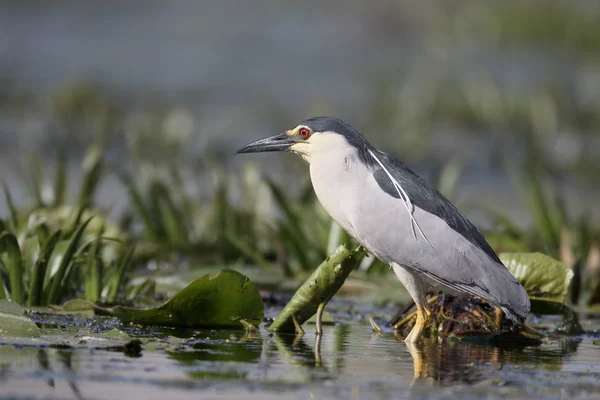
(10,307)
(115,334)
(17,326)
(76,305)
(543,277)
(208,302)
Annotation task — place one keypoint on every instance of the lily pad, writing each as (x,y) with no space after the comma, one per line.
(10,307)
(543,277)
(17,326)
(208,302)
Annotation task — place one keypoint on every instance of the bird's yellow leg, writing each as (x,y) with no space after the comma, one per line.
(420,324)
(414,286)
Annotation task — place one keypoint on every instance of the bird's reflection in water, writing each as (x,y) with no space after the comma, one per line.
(341,351)
(450,362)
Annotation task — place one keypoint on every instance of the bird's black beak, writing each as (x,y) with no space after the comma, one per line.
(280,142)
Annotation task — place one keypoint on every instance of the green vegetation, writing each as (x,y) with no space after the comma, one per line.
(52,251)
(228,300)
(186,213)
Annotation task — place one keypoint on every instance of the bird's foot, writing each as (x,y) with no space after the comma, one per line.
(417,330)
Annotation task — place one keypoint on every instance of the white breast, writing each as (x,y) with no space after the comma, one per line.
(337,179)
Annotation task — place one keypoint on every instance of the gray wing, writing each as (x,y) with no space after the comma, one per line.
(487,278)
(427,198)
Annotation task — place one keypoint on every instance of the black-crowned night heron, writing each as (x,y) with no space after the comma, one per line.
(399,218)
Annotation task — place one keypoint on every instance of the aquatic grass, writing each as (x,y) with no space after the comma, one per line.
(40,266)
(57,281)
(13,221)
(9,246)
(36,288)
(93,170)
(119,275)
(554,231)
(93,281)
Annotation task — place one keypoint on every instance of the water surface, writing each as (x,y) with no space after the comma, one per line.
(350,361)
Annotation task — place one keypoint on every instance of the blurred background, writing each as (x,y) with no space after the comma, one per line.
(496,103)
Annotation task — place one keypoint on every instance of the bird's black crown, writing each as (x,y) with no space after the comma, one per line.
(354,137)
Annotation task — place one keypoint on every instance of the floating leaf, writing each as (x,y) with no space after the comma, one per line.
(115,334)
(542,276)
(318,289)
(17,326)
(208,302)
(10,307)
(80,305)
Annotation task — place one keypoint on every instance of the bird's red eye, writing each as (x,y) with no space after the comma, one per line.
(304,133)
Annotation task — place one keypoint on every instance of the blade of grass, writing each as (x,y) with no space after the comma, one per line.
(60,179)
(120,277)
(92,171)
(150,230)
(14,216)
(80,259)
(54,294)
(220,215)
(143,287)
(37,183)
(249,252)
(73,223)
(3,289)
(187,204)
(291,217)
(172,221)
(296,247)
(93,282)
(291,229)
(36,288)
(546,219)
(10,245)
(42,233)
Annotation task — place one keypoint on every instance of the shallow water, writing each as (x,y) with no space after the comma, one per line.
(71,360)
